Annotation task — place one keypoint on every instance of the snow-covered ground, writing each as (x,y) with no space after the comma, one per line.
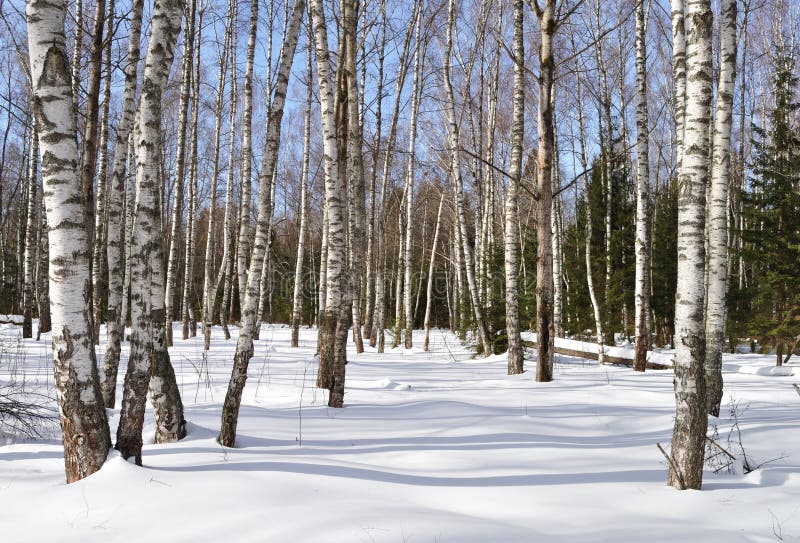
(431,447)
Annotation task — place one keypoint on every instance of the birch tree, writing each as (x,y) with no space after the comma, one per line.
(356,192)
(409,189)
(584,161)
(678,16)
(455,171)
(42,272)
(77,50)
(83,419)
(226,267)
(718,209)
(691,421)
(545,327)
(187,311)
(372,253)
(265,283)
(92,126)
(515,351)
(149,363)
(250,318)
(130,198)
(297,296)
(488,173)
(331,333)
(180,168)
(431,269)
(607,145)
(243,244)
(209,290)
(30,236)
(557,237)
(101,203)
(116,219)
(642,294)
(377,336)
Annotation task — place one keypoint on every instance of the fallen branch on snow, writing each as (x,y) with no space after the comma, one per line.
(672,466)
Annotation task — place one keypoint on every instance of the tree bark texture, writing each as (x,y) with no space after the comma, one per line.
(180,169)
(516,358)
(83,418)
(691,421)
(250,318)
(545,328)
(642,249)
(149,356)
(717,209)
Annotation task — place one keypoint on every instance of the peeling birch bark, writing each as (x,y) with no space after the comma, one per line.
(83,418)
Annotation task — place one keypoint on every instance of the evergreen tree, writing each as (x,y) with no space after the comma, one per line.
(578,317)
(664,264)
(769,308)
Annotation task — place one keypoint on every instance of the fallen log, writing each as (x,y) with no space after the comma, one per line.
(11,319)
(592,355)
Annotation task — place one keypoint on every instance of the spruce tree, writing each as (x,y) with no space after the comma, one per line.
(771,302)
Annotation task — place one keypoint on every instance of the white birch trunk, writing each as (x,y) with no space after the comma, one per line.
(718,210)
(488,172)
(336,259)
(264,281)
(42,283)
(148,363)
(323,262)
(130,198)
(431,270)
(91,131)
(555,223)
(101,203)
(355,164)
(209,284)
(372,256)
(399,280)
(31,225)
(455,171)
(461,306)
(642,249)
(83,417)
(409,190)
(515,354)
(116,218)
(180,169)
(226,267)
(77,50)
(187,311)
(297,294)
(607,147)
(691,420)
(243,247)
(377,337)
(250,318)
(679,73)
(598,322)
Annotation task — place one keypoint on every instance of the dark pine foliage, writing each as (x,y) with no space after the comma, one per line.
(768,307)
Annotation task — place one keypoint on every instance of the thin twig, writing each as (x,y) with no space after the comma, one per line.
(717,445)
(300,410)
(672,466)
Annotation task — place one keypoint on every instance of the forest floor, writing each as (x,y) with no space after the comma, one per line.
(431,447)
